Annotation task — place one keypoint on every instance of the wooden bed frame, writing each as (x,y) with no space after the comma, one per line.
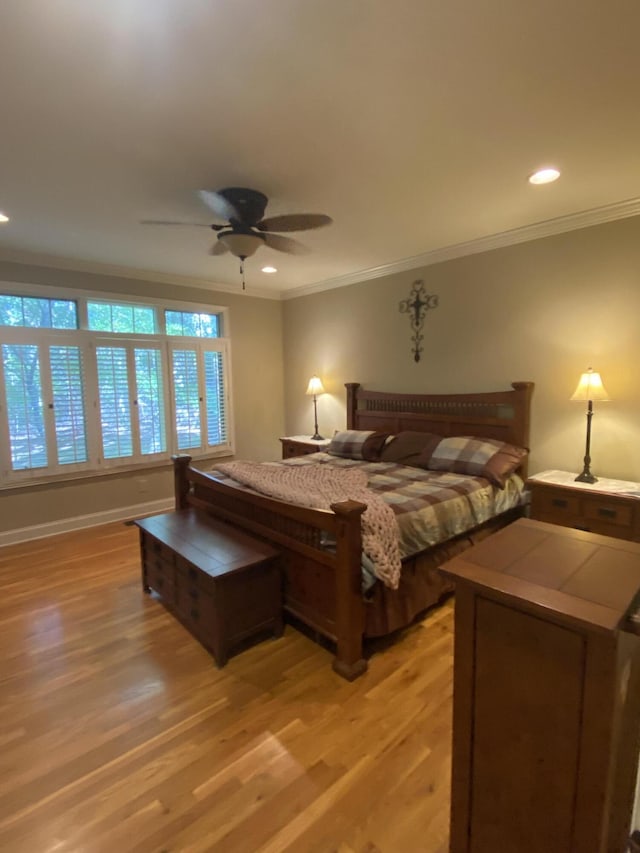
(322,588)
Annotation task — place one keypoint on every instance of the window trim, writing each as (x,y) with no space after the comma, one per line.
(84,339)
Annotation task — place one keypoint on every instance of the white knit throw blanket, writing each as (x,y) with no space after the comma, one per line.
(318,486)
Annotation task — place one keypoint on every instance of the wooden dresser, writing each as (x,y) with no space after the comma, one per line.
(610,507)
(546,721)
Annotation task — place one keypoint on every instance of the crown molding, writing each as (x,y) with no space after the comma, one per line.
(536,231)
(95,268)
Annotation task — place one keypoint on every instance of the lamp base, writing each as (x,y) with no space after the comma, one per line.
(586,477)
(317,437)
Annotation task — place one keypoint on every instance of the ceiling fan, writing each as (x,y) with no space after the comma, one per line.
(245,230)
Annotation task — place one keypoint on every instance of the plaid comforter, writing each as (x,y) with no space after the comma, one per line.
(430,506)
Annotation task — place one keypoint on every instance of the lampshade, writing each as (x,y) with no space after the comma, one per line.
(590,387)
(239,244)
(315,386)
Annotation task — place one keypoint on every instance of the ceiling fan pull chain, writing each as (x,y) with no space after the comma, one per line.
(244,287)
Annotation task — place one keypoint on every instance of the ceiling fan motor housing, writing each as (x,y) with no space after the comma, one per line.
(250,204)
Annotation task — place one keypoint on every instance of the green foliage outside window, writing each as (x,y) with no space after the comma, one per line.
(122,319)
(192,324)
(46,378)
(37,313)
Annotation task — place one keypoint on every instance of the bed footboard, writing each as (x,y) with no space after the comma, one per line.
(321,552)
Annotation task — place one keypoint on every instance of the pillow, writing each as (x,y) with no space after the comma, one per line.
(410,448)
(358,444)
(479,457)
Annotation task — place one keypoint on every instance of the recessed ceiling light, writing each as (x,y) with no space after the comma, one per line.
(269,269)
(4,217)
(544,176)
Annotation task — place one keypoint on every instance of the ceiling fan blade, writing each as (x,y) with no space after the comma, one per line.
(218,248)
(285,244)
(218,204)
(172,222)
(294,222)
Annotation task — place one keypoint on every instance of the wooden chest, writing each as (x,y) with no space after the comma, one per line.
(222,584)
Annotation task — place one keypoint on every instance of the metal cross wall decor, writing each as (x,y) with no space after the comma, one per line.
(416,306)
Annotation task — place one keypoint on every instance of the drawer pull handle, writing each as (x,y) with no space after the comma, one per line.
(561,502)
(194,613)
(192,574)
(607,513)
(194,594)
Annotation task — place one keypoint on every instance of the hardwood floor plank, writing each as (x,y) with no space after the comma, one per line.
(118,732)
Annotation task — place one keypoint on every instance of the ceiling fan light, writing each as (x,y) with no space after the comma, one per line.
(241,245)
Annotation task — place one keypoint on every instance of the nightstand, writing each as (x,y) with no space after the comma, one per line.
(300,445)
(609,507)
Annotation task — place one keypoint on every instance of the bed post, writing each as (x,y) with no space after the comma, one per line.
(524,390)
(349,662)
(180,480)
(352,403)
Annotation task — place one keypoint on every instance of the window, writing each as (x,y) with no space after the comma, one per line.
(34,312)
(122,319)
(192,324)
(117,393)
(45,405)
(21,365)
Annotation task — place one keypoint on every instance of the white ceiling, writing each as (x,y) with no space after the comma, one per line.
(413,124)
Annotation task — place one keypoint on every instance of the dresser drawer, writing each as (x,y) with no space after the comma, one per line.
(558,502)
(289,449)
(294,448)
(609,512)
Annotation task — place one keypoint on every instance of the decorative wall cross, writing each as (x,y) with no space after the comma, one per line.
(416,306)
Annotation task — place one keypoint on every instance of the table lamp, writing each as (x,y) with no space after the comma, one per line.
(589,388)
(314,388)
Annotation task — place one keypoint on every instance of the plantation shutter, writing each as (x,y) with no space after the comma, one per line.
(24,406)
(67,390)
(215,398)
(150,401)
(187,398)
(115,402)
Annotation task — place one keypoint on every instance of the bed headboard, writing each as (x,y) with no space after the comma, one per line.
(503,415)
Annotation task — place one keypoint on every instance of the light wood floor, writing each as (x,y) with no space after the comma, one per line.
(118,733)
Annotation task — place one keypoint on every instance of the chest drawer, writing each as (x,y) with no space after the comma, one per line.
(157,552)
(189,577)
(160,578)
(159,566)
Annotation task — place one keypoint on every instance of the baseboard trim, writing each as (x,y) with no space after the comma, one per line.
(79,522)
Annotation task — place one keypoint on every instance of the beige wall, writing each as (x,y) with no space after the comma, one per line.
(258,399)
(542,311)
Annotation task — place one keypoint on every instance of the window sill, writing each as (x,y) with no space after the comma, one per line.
(114,471)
